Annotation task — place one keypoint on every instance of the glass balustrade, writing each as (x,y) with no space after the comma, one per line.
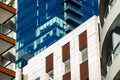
(7,32)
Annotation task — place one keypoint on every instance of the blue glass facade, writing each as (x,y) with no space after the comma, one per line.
(40,23)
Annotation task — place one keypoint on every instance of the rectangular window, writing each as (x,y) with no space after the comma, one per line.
(37,78)
(50,74)
(49,66)
(67,76)
(66,51)
(35,44)
(49,62)
(84,74)
(83,40)
(67,66)
(66,60)
(84,54)
(83,45)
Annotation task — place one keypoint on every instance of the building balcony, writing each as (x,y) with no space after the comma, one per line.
(6,74)
(6,43)
(69,28)
(7,59)
(10,25)
(6,12)
(74,11)
(72,21)
(74,2)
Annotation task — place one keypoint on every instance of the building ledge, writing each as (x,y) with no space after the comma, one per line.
(74,2)
(6,43)
(73,11)
(6,74)
(6,12)
(72,21)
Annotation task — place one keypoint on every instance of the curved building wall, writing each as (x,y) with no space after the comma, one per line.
(110,37)
(114,70)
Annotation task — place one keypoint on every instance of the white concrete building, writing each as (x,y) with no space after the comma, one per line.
(110,38)
(74,57)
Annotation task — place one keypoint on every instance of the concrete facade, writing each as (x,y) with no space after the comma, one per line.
(110,38)
(36,68)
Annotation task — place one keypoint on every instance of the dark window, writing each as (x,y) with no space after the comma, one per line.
(37,78)
(67,65)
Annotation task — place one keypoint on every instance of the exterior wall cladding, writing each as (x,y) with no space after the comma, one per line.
(70,58)
(40,23)
(110,38)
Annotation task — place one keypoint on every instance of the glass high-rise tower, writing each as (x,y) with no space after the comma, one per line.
(40,23)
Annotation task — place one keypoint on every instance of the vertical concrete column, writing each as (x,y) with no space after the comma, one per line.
(58,64)
(94,52)
(18,74)
(25,77)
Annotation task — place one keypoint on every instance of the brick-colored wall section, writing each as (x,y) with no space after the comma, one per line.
(8,8)
(8,39)
(84,74)
(66,51)
(82,40)
(67,76)
(7,71)
(49,62)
